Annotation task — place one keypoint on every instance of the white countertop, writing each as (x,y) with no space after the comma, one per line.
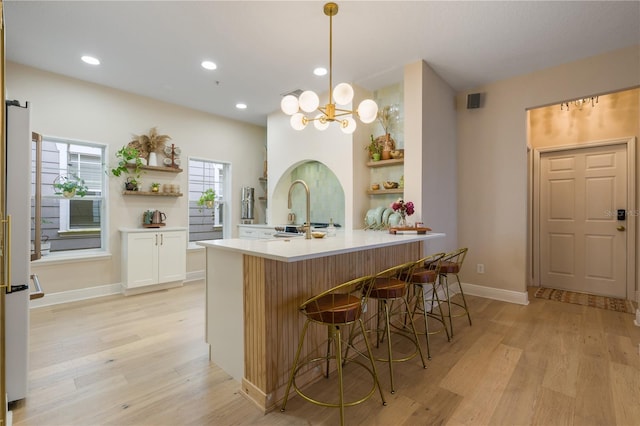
(298,248)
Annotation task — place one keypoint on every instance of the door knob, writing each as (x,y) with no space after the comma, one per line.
(620,228)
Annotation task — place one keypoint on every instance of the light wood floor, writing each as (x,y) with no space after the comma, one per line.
(142,360)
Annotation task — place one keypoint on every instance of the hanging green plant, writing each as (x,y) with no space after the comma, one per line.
(69,187)
(207,198)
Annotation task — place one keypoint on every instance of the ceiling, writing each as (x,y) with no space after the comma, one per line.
(265,49)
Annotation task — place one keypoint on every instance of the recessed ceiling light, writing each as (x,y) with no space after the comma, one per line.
(208,65)
(241,106)
(90,60)
(320,71)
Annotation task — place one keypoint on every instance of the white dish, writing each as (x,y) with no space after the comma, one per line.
(167,161)
(177,161)
(394,219)
(385,215)
(167,150)
(370,218)
(379,211)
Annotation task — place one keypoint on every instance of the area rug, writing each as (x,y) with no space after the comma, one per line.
(602,302)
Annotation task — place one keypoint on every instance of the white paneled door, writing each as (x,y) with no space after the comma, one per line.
(583,244)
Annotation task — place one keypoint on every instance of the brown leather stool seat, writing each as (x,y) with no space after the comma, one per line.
(335,309)
(388,288)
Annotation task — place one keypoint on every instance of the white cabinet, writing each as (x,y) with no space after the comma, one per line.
(255,232)
(153,257)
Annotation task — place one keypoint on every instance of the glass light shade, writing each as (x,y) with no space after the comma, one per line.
(348,125)
(343,94)
(320,123)
(367,111)
(298,121)
(308,101)
(289,104)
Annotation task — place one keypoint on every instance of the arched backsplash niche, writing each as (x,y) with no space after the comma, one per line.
(327,194)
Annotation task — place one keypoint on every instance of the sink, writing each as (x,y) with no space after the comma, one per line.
(288,234)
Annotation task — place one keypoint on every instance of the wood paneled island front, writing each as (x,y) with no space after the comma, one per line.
(254,288)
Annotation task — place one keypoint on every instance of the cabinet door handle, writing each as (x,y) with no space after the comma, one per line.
(156,239)
(161,239)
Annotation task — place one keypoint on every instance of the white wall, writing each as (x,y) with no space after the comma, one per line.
(492,159)
(430,152)
(74,109)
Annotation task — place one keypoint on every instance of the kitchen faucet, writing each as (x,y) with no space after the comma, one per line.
(307,224)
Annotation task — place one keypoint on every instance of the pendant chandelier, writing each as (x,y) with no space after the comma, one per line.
(579,103)
(342,95)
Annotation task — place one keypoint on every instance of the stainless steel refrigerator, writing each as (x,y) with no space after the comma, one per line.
(17,232)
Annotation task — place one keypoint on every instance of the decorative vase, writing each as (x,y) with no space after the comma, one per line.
(386,154)
(389,144)
(153,159)
(375,156)
(403,220)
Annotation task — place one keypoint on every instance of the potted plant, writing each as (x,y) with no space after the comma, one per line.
(207,198)
(374,148)
(155,187)
(128,155)
(68,187)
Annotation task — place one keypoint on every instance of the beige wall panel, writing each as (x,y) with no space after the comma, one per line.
(70,108)
(492,158)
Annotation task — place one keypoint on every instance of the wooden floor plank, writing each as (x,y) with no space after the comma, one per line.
(141,360)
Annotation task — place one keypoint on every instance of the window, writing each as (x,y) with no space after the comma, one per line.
(76,223)
(207,223)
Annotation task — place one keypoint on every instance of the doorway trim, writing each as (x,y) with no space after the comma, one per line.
(630,143)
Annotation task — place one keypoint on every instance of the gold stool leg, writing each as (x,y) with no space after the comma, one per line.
(420,299)
(446,293)
(337,343)
(415,335)
(295,364)
(464,300)
(390,353)
(437,299)
(373,361)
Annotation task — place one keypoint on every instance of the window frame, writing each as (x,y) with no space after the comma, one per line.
(224,205)
(64,229)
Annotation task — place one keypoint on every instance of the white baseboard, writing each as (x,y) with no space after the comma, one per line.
(518,297)
(100,291)
(75,295)
(195,276)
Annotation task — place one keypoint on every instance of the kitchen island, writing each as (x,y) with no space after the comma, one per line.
(254,288)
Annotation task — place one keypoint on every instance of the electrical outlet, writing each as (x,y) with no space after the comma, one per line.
(480,268)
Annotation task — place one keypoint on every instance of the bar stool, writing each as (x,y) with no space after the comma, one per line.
(425,273)
(336,308)
(450,264)
(390,286)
